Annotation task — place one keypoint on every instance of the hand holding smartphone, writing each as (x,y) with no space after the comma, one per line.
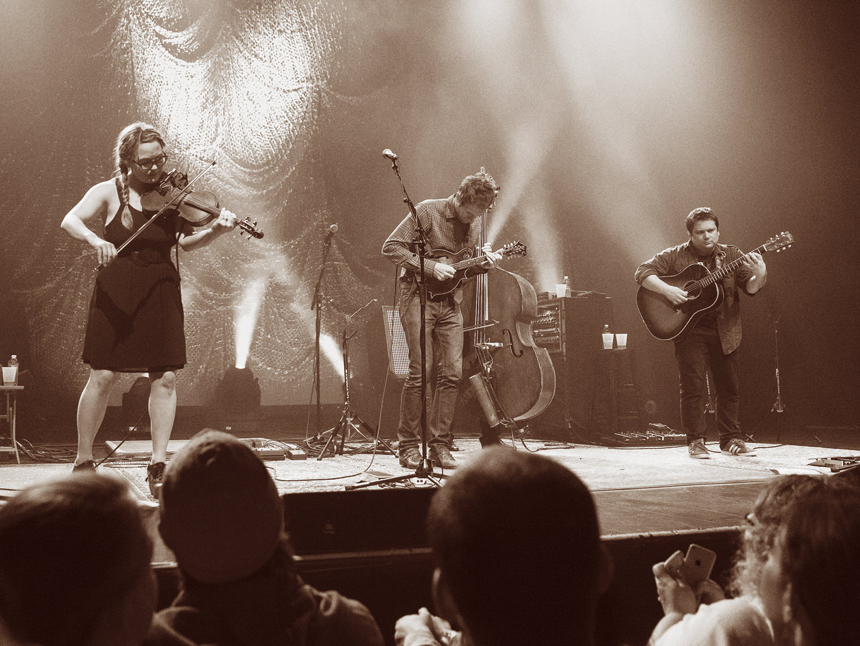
(693,568)
(698,564)
(675,563)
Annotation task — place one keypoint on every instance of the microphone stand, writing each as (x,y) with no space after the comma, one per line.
(316,304)
(778,406)
(349,421)
(425,468)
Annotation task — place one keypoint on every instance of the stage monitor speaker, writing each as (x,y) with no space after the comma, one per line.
(579,320)
(395,342)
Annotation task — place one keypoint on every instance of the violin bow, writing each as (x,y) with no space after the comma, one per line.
(181,193)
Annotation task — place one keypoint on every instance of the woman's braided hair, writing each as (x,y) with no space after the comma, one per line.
(124,153)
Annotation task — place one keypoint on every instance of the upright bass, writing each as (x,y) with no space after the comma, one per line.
(510,379)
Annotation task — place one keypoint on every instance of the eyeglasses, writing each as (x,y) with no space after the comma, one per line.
(149,164)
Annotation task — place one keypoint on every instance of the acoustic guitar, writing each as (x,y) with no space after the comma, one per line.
(668,322)
(462,261)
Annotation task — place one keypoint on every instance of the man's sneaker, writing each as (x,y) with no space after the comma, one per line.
(440,454)
(737,447)
(88,466)
(698,450)
(155,478)
(410,457)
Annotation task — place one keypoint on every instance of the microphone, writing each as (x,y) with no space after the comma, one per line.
(389,154)
(331,231)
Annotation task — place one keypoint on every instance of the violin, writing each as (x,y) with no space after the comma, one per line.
(197,209)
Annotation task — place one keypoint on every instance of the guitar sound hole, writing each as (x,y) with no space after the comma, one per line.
(692,289)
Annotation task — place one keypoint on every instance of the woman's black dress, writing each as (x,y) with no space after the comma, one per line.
(136,322)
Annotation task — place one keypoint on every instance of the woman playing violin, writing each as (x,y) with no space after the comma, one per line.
(136,321)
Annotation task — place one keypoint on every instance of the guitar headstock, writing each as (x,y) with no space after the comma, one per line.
(250,228)
(779,242)
(511,249)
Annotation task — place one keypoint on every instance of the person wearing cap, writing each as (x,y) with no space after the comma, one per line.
(222,517)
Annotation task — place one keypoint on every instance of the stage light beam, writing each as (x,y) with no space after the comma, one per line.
(245,319)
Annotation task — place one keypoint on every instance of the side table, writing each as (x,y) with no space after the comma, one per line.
(11,393)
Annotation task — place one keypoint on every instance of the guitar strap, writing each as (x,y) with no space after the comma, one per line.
(718,259)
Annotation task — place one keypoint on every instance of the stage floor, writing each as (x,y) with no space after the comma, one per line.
(639,490)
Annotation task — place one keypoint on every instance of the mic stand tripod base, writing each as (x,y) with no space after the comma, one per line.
(348,423)
(352,423)
(424,471)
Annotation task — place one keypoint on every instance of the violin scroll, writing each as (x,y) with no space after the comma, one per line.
(197,209)
(250,228)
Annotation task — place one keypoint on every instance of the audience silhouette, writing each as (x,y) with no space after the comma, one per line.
(75,564)
(518,556)
(701,615)
(809,585)
(222,517)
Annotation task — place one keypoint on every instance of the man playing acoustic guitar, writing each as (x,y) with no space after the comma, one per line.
(448,225)
(711,339)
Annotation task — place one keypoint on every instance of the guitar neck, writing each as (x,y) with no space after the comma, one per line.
(725,270)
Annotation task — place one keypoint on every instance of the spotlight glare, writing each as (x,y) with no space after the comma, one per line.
(331,351)
(245,317)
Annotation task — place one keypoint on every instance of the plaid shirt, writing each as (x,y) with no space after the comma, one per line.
(443,231)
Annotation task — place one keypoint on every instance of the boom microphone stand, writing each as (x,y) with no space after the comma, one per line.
(316,304)
(349,421)
(425,468)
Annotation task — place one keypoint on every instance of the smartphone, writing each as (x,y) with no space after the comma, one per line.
(675,563)
(698,564)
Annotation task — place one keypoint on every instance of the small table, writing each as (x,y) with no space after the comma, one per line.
(11,393)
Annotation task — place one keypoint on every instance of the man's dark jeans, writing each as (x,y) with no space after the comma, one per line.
(698,351)
(444,342)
